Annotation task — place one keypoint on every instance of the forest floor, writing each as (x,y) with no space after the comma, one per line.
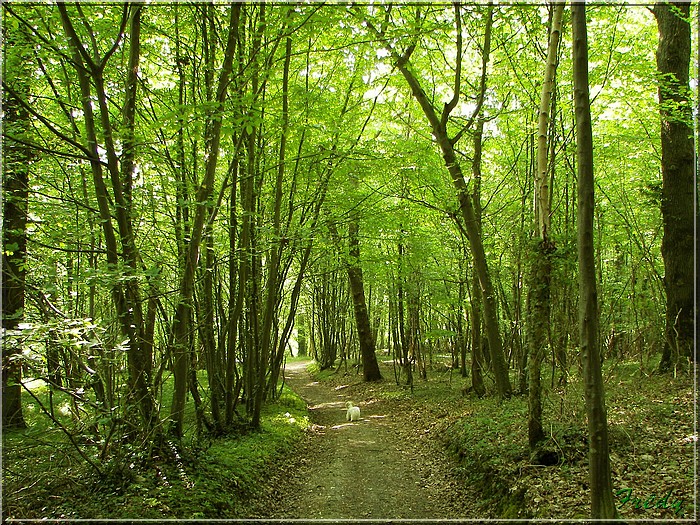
(432,453)
(427,452)
(386,465)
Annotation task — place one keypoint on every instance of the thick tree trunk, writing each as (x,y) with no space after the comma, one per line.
(538,309)
(677,200)
(15,182)
(602,503)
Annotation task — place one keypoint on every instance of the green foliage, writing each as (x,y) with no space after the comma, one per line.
(207,479)
(357,146)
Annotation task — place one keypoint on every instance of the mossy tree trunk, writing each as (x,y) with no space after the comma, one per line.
(15,184)
(543,247)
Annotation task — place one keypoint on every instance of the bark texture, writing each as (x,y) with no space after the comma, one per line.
(370,367)
(677,194)
(602,503)
(14,248)
(541,264)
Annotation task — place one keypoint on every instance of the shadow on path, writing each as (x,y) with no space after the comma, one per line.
(367,469)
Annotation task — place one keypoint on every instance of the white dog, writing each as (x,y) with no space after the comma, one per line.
(353,413)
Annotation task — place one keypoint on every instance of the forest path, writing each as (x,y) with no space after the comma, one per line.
(381,467)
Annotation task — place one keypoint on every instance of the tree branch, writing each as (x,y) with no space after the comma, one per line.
(458,69)
(485,54)
(46,122)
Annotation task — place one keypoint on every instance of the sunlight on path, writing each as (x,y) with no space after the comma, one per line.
(361,469)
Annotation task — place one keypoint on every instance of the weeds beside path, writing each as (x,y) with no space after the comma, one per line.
(386,465)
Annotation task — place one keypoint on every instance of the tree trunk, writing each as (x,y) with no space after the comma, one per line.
(439,129)
(182,320)
(273,277)
(602,503)
(541,265)
(15,184)
(461,332)
(296,291)
(208,340)
(401,328)
(303,345)
(125,291)
(140,356)
(677,195)
(476,336)
(370,367)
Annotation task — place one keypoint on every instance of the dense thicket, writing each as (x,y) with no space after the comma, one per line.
(193,191)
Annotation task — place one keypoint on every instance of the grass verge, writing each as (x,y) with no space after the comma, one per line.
(43,477)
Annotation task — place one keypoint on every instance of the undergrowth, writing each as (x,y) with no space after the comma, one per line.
(44,477)
(651,437)
(652,444)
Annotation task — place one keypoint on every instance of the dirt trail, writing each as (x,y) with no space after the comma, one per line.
(379,467)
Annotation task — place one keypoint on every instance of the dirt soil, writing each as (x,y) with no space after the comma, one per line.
(385,465)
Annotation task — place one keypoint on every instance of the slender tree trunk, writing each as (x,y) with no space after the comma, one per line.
(247,194)
(182,320)
(236,269)
(303,348)
(477,305)
(207,337)
(296,291)
(405,358)
(466,206)
(140,358)
(476,337)
(461,332)
(125,292)
(446,144)
(677,199)
(370,367)
(252,206)
(602,503)
(271,294)
(543,247)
